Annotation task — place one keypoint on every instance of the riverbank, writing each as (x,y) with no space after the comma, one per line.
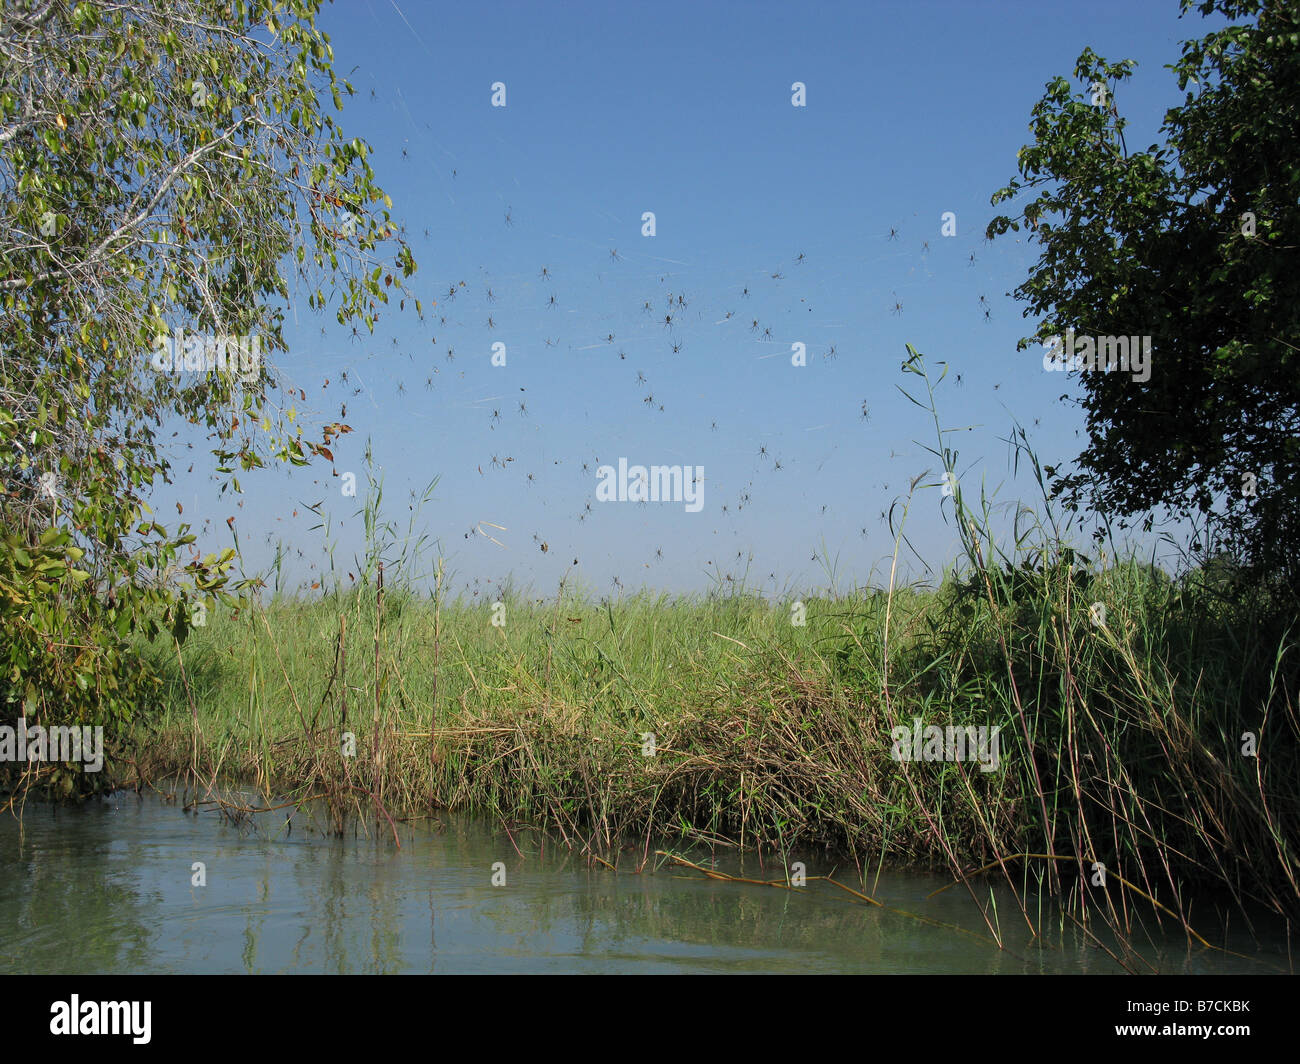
(1119,762)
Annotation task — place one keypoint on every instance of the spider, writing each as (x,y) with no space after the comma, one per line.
(767,334)
(745,293)
(800,258)
(550,342)
(523,409)
(983,302)
(762,451)
(866,412)
(668,321)
(401,388)
(972,259)
(715,426)
(753,325)
(509,218)
(681,301)
(648,400)
(898,307)
(490,323)
(677,347)
(893,234)
(613,254)
(644,306)
(925,246)
(344,376)
(776,466)
(491,296)
(640,377)
(777,276)
(831,352)
(551,302)
(659,553)
(451,354)
(609,339)
(428,384)
(546,273)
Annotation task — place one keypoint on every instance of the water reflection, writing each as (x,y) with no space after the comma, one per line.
(108,888)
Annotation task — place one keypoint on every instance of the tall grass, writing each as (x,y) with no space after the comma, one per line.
(1123,786)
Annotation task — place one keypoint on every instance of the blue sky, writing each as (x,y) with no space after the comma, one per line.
(684,109)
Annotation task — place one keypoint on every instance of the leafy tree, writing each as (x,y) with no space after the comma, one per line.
(165,169)
(1192,242)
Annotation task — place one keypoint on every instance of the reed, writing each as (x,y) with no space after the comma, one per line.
(1121,738)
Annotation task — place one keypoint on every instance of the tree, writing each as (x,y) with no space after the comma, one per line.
(1192,243)
(165,170)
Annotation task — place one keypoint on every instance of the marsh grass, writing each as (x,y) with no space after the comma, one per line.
(1121,737)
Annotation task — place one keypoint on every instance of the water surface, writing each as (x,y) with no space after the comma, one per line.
(108,888)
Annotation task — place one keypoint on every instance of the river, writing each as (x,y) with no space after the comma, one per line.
(109,887)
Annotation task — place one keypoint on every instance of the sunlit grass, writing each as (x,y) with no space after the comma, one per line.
(1121,694)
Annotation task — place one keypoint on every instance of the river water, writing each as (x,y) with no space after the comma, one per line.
(109,887)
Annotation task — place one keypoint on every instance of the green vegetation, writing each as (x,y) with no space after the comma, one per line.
(1192,243)
(161,166)
(1122,741)
(1156,736)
